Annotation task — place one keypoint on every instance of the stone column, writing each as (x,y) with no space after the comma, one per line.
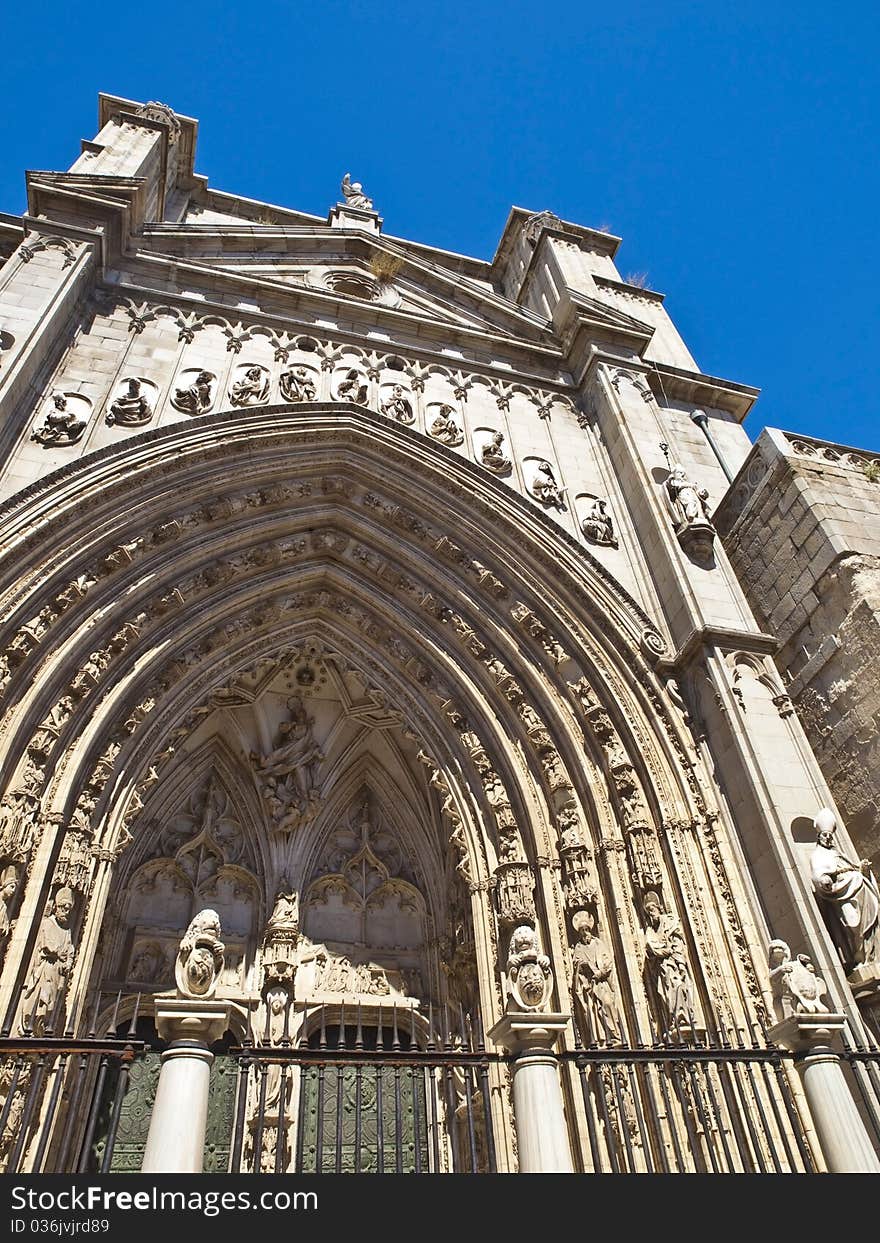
(176,1139)
(541,1131)
(846,1145)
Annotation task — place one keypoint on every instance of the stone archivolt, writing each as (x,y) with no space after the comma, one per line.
(209,590)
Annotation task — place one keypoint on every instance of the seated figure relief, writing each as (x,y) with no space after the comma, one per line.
(197,397)
(353,387)
(545,488)
(445,428)
(252,389)
(60,425)
(398,406)
(493,456)
(297,385)
(132,408)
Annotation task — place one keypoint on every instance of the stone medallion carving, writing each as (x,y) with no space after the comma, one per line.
(133,404)
(442,424)
(395,403)
(250,385)
(352,385)
(195,393)
(596,523)
(492,454)
(64,420)
(543,485)
(298,384)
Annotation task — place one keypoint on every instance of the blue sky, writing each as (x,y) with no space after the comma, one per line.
(733,147)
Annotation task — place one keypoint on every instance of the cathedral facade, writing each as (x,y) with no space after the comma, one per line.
(394,773)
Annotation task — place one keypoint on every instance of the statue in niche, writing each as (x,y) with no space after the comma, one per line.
(276,1032)
(198,397)
(353,193)
(847,894)
(445,428)
(60,426)
(290,771)
(545,488)
(132,409)
(252,389)
(528,970)
(18,828)
(52,961)
(690,501)
(493,457)
(593,981)
(297,385)
(8,887)
(797,989)
(285,913)
(667,966)
(597,525)
(398,406)
(201,957)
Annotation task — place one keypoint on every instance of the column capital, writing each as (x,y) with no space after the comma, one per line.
(802,1033)
(181,1018)
(529,1031)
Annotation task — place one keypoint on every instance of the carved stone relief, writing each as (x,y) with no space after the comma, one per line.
(596,523)
(442,425)
(298,384)
(250,385)
(64,421)
(195,394)
(395,403)
(133,404)
(352,386)
(544,487)
(492,454)
(288,774)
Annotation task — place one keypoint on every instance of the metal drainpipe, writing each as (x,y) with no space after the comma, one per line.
(701,418)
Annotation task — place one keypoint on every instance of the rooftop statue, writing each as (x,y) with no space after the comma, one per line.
(353,193)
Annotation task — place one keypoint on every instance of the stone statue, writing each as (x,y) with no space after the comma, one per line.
(493,457)
(52,961)
(445,428)
(285,913)
(545,488)
(200,957)
(8,886)
(597,525)
(593,976)
(398,406)
(352,387)
(667,966)
(528,970)
(18,827)
(353,193)
(252,389)
(297,385)
(797,989)
(690,501)
(131,409)
(198,397)
(289,772)
(60,425)
(847,894)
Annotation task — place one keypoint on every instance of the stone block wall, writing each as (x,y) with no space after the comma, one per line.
(801,525)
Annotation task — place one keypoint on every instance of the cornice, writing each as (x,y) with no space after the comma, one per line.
(720,637)
(417,342)
(355,242)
